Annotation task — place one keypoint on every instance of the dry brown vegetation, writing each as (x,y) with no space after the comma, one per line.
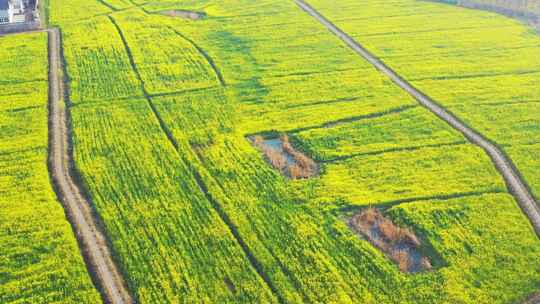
(276,159)
(401,257)
(399,243)
(425,263)
(305,167)
(258,141)
(301,167)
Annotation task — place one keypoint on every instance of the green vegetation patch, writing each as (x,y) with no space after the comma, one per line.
(525,157)
(389,177)
(167,60)
(97,63)
(168,236)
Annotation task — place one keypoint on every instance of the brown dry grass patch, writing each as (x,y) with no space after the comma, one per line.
(300,168)
(400,244)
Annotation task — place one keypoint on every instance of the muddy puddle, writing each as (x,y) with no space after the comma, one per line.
(183,14)
(280,153)
(399,244)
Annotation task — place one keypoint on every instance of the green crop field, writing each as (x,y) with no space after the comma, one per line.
(40,261)
(162,109)
(483,67)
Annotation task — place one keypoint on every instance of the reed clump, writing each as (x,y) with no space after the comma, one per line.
(287,159)
(400,244)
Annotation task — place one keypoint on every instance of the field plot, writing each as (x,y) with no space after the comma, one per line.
(410,129)
(98,65)
(174,64)
(483,67)
(196,214)
(66,11)
(40,261)
(365,180)
(458,222)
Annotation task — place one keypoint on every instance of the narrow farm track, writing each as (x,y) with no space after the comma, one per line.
(515,184)
(92,240)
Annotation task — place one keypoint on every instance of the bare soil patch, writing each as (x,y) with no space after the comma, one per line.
(280,153)
(533,299)
(400,244)
(183,14)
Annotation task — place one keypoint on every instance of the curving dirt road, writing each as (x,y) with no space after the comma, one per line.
(516,186)
(90,237)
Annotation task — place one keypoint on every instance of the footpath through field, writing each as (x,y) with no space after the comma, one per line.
(79,210)
(516,186)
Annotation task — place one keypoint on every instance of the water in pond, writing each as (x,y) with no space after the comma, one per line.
(276,144)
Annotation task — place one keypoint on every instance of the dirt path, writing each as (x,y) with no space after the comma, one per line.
(516,186)
(92,240)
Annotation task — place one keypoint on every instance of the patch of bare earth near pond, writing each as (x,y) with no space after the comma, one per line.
(280,153)
(183,14)
(400,244)
(533,299)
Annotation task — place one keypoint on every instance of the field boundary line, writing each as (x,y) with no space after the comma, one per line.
(474,76)
(234,231)
(112,8)
(91,238)
(515,183)
(352,119)
(505,103)
(406,149)
(415,199)
(205,55)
